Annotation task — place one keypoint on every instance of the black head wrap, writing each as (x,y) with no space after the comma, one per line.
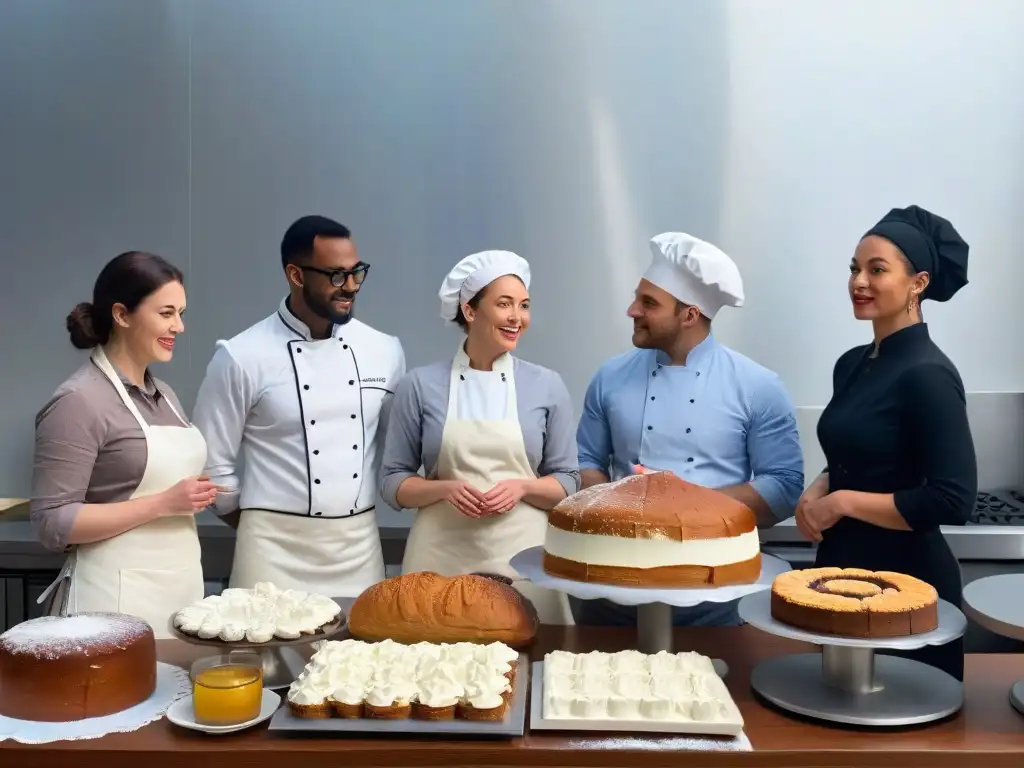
(931,245)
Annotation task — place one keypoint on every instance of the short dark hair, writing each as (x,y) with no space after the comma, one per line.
(297,243)
(126,279)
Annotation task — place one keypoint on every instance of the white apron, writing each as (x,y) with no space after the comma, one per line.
(154,570)
(483,453)
(336,557)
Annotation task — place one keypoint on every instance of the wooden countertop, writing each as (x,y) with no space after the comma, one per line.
(986,733)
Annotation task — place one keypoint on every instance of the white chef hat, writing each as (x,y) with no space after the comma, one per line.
(694,272)
(476,272)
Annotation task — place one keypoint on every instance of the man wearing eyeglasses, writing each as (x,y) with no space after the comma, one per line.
(298,400)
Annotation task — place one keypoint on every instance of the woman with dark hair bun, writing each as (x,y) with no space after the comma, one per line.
(117,480)
(901,460)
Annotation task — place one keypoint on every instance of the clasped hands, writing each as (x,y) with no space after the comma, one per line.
(819,510)
(502,498)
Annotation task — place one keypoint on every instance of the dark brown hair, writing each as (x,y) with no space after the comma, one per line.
(460,317)
(126,279)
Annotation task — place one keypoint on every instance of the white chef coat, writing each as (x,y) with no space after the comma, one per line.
(302,415)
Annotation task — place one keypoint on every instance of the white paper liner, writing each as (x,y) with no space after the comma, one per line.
(530,564)
(171,684)
(655,743)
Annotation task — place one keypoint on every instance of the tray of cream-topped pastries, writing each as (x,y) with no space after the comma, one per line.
(453,689)
(632,691)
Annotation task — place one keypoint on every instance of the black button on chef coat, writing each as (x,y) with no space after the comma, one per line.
(897,423)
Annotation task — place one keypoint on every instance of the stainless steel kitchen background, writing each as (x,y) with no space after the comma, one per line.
(567,130)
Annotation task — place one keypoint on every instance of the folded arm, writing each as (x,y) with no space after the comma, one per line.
(776,459)
(558,473)
(395,379)
(68,439)
(225,398)
(593,437)
(935,409)
(401,486)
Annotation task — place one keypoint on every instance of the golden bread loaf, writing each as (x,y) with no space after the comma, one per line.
(427,607)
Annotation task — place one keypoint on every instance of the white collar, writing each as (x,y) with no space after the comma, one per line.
(502,365)
(298,327)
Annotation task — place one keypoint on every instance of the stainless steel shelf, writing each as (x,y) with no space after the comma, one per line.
(968,542)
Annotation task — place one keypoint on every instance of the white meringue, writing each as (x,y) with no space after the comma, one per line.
(630,685)
(257,615)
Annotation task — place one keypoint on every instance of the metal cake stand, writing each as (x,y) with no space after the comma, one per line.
(995,603)
(653,606)
(847,682)
(282,663)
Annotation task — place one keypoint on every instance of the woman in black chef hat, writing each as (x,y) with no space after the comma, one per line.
(895,434)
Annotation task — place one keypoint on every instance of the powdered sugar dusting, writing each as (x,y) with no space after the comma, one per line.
(671,743)
(653,505)
(582,502)
(51,637)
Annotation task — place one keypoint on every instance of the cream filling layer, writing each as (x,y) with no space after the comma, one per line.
(598,549)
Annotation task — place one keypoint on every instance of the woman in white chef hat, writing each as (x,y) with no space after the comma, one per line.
(494,434)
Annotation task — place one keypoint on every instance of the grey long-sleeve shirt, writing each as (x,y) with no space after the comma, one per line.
(90,449)
(420,407)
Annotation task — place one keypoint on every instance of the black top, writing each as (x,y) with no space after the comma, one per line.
(897,423)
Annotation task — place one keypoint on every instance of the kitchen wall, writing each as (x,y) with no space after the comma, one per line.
(568,130)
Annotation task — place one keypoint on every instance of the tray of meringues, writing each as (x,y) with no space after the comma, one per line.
(633,692)
(262,617)
(450,689)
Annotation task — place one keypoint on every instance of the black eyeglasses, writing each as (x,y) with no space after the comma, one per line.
(339,277)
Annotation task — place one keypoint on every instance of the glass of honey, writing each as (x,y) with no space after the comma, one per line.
(227,689)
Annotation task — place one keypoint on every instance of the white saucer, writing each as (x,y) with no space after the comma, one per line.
(181,713)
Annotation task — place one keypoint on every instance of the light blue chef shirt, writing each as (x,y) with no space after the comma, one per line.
(720,420)
(717,421)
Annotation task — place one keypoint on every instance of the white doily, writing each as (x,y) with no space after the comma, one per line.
(662,743)
(172,683)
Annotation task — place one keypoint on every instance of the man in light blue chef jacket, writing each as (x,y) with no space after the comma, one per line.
(683,402)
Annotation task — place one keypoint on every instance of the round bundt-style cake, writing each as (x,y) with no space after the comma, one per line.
(61,668)
(653,530)
(852,602)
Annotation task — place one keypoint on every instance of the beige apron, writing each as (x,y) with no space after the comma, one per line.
(483,453)
(336,557)
(153,570)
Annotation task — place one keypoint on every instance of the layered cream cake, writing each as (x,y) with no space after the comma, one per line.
(386,680)
(257,615)
(653,530)
(630,685)
(855,602)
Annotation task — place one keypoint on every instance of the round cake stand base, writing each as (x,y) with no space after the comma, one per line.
(654,632)
(1017,696)
(858,687)
(281,666)
(992,603)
